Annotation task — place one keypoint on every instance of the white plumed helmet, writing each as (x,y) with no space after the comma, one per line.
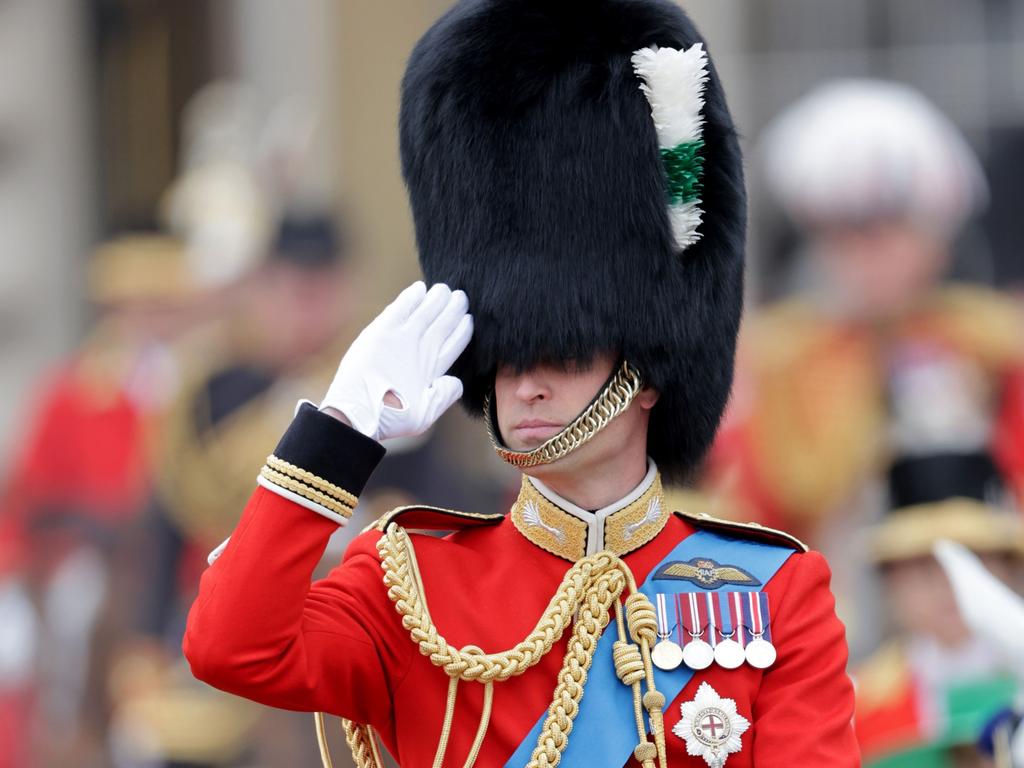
(854,151)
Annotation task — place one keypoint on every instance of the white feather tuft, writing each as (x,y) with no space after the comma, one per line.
(685,219)
(980,597)
(674,83)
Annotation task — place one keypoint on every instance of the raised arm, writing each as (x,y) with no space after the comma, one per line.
(259,628)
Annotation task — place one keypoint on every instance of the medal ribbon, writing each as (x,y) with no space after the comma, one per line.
(756,616)
(726,623)
(604,732)
(713,623)
(683,630)
(736,604)
(663,631)
(763,616)
(692,618)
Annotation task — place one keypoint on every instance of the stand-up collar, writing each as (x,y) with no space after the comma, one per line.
(564,529)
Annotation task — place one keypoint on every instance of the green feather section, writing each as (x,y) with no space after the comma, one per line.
(684,166)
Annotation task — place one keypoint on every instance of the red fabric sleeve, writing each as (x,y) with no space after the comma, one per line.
(260,629)
(804,708)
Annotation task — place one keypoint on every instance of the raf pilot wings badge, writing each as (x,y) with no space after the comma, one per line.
(705,573)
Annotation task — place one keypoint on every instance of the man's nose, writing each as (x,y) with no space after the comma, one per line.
(532,387)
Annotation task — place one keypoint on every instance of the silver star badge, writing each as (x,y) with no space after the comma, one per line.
(711,727)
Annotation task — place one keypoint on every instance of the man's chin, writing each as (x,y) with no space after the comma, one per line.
(524,446)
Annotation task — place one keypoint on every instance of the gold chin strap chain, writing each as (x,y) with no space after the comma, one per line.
(590,590)
(609,403)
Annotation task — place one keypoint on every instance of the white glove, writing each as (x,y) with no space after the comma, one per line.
(406,350)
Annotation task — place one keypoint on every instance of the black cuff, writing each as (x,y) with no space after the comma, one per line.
(330,449)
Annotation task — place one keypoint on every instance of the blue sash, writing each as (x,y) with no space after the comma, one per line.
(605,724)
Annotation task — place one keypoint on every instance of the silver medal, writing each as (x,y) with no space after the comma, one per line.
(760,653)
(729,654)
(698,654)
(667,655)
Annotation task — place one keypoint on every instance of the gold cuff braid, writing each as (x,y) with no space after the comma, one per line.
(613,400)
(339,493)
(306,484)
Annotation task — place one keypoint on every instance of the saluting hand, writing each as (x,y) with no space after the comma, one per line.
(403,354)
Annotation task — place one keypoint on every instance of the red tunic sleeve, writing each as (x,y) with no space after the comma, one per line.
(260,628)
(804,708)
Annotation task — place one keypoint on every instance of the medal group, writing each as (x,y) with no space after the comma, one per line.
(724,628)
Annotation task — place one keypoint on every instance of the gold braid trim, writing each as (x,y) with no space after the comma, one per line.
(310,479)
(295,486)
(589,590)
(612,400)
(470,663)
(363,745)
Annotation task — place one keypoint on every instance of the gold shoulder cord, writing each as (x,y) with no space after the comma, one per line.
(616,396)
(589,591)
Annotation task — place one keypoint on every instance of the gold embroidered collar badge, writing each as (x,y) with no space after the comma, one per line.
(560,527)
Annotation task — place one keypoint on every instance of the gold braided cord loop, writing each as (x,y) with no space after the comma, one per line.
(362,743)
(296,486)
(565,705)
(629,664)
(471,663)
(321,739)
(642,618)
(590,590)
(481,731)
(613,400)
(310,479)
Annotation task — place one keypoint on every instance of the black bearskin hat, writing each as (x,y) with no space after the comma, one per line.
(538,187)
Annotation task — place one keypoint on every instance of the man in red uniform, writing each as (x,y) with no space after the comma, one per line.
(573,170)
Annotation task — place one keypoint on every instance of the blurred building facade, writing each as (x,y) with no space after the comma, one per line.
(90,101)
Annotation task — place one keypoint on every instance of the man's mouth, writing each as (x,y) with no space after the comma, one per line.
(536,430)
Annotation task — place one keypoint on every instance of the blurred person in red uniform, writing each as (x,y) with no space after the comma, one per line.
(81,472)
(878,356)
(238,394)
(18,639)
(924,696)
(574,174)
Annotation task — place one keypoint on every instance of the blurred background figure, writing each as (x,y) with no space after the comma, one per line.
(81,473)
(278,345)
(876,356)
(925,695)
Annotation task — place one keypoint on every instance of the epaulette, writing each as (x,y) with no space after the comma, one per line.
(424,518)
(754,531)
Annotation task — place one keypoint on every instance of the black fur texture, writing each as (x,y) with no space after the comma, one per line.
(537,187)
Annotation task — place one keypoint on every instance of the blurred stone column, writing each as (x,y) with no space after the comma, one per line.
(47,192)
(374,42)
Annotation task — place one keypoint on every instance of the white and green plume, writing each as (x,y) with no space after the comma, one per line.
(674,82)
